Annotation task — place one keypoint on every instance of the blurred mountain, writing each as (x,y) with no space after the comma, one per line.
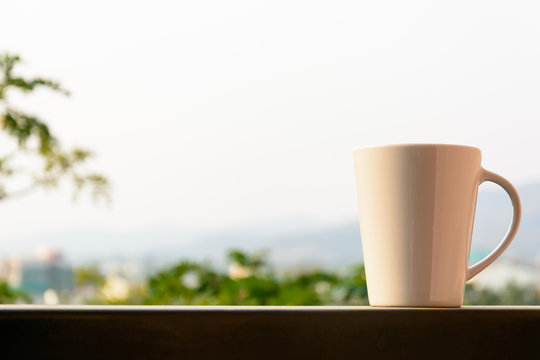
(493,215)
(341,244)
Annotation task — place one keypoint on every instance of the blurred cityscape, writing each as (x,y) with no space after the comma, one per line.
(307,264)
(47,277)
(320,257)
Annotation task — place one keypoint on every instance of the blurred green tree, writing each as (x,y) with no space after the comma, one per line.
(89,276)
(9,295)
(510,294)
(31,139)
(308,288)
(251,281)
(352,290)
(514,294)
(186,283)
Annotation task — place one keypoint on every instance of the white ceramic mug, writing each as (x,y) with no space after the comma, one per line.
(416,207)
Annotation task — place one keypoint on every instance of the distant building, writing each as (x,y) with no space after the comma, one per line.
(45,272)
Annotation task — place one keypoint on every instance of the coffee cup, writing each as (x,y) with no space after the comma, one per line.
(416,208)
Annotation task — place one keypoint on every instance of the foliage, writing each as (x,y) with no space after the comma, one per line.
(251,281)
(511,294)
(185,283)
(32,140)
(106,290)
(9,295)
(255,262)
(89,276)
(353,286)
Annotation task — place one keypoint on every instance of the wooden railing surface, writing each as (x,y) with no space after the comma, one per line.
(194,332)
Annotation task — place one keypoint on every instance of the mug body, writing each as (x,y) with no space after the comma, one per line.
(416,209)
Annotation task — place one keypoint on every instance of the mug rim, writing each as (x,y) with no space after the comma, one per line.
(418,145)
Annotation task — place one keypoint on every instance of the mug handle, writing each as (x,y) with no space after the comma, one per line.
(485,175)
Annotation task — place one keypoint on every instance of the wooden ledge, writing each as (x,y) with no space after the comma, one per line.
(217,332)
(206,308)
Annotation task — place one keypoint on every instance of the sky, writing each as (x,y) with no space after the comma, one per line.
(211,115)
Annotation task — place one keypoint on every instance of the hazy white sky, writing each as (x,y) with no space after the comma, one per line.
(215,114)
